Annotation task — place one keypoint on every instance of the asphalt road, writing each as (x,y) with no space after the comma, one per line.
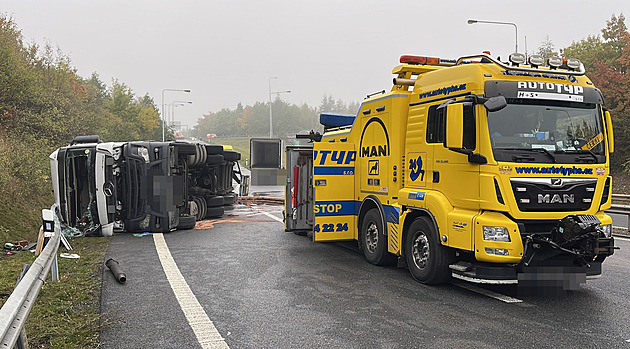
(265,288)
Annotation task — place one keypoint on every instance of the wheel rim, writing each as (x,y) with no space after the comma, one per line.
(420,251)
(371,237)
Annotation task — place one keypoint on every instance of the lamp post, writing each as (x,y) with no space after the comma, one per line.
(473,21)
(177,104)
(270,109)
(163,116)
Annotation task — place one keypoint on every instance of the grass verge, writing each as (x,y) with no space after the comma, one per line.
(240,145)
(67,312)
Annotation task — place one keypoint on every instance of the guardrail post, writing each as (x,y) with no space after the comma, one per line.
(54,270)
(22,341)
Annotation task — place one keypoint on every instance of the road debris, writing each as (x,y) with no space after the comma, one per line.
(114,267)
(260,200)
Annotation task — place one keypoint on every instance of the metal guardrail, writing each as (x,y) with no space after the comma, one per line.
(15,311)
(620,204)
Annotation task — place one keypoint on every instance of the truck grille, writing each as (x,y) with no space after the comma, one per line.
(553,194)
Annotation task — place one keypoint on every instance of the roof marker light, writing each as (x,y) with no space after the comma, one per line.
(517,58)
(408,59)
(536,60)
(573,63)
(554,62)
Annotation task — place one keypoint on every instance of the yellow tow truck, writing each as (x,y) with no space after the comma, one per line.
(487,171)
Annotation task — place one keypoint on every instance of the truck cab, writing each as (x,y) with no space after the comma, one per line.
(131,186)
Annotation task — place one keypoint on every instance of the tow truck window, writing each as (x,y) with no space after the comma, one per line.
(435,125)
(436,122)
(555,127)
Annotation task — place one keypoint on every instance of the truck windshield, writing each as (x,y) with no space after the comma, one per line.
(547,131)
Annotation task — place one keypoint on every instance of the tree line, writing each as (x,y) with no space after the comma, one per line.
(288,119)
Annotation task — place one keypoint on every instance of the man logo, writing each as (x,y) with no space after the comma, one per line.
(556,182)
(556,199)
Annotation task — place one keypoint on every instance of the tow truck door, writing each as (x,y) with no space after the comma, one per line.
(334,185)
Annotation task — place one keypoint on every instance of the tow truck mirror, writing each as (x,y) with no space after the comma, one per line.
(454,126)
(495,103)
(609,131)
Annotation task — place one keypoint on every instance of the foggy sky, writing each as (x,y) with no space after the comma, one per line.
(226,51)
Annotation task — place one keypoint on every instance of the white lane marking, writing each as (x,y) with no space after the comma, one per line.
(621,238)
(207,334)
(271,216)
(498,296)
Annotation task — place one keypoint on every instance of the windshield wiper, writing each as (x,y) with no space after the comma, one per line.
(582,151)
(536,150)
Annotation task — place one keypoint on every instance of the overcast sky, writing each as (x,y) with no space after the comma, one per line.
(226,51)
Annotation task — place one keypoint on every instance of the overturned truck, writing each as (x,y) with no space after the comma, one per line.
(139,186)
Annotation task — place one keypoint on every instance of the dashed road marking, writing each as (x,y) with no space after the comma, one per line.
(207,335)
(488,293)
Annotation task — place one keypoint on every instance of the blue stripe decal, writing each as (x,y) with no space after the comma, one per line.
(334,170)
(391,214)
(335,208)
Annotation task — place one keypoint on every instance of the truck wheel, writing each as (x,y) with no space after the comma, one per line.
(214,201)
(215,212)
(201,207)
(427,259)
(229,199)
(374,240)
(186,222)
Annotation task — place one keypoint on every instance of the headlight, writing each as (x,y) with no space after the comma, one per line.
(607,230)
(496,234)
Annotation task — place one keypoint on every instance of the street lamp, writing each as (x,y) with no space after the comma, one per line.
(270,110)
(177,104)
(163,116)
(473,21)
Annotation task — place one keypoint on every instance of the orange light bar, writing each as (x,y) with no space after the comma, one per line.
(408,59)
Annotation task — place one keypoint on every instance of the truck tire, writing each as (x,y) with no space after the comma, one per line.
(427,259)
(214,201)
(201,207)
(229,199)
(374,240)
(186,222)
(214,212)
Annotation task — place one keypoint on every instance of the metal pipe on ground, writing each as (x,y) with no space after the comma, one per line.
(114,267)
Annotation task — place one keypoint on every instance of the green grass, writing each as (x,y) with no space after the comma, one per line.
(240,145)
(67,312)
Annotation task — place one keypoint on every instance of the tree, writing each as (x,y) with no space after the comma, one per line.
(547,48)
(607,61)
